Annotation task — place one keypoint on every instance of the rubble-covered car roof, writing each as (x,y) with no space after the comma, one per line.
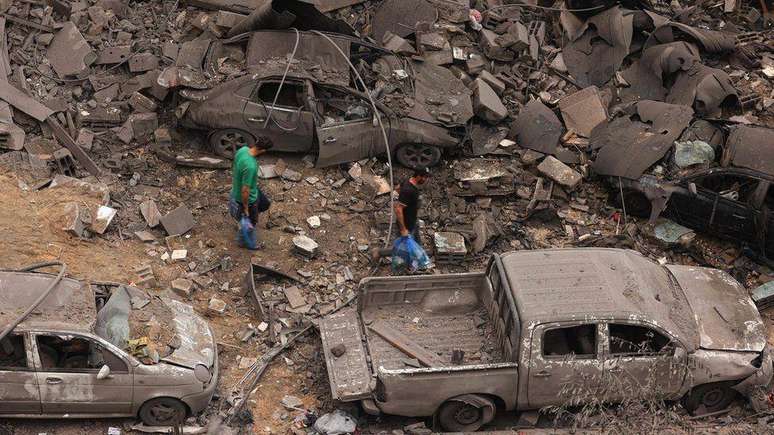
(69,307)
(558,284)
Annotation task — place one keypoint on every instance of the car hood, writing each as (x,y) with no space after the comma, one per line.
(725,315)
(197,345)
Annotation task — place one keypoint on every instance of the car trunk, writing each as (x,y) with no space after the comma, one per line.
(719,303)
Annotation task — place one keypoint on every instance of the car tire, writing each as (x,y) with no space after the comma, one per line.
(713,397)
(417,155)
(163,411)
(226,142)
(460,416)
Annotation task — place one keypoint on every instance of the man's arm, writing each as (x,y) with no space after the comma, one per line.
(399,207)
(246,199)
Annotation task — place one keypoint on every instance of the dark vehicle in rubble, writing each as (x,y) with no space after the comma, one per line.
(535,326)
(318,108)
(733,200)
(76,355)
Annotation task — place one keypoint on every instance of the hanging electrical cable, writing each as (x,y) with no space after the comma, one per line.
(384,132)
(282,82)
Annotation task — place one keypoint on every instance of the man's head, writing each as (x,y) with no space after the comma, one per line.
(420,175)
(260,146)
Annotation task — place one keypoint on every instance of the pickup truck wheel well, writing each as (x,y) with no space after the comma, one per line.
(454,413)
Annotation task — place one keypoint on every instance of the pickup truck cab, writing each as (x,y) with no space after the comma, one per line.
(542,328)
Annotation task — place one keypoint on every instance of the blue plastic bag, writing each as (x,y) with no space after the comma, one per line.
(407,254)
(247,232)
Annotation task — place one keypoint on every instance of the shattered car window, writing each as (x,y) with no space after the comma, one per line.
(335,107)
(290,95)
(632,339)
(733,187)
(74,354)
(12,353)
(579,341)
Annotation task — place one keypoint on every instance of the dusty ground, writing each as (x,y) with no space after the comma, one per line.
(32,232)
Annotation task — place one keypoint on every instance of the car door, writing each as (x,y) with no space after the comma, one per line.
(721,205)
(19,393)
(346,128)
(288,123)
(641,361)
(565,364)
(67,367)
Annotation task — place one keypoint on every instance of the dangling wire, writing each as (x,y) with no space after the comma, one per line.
(282,82)
(384,133)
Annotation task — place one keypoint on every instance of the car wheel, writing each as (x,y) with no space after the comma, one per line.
(418,155)
(460,416)
(225,143)
(163,411)
(712,397)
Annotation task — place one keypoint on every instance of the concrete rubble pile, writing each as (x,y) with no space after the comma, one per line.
(558,115)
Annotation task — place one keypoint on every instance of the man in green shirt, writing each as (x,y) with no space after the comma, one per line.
(246,198)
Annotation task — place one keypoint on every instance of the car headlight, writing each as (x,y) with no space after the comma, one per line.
(202,373)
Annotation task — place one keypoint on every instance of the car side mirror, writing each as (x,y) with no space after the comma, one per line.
(692,189)
(104,372)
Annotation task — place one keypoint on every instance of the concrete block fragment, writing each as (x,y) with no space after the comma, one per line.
(228,19)
(143,124)
(395,43)
(141,103)
(183,287)
(492,49)
(69,53)
(583,110)
(76,218)
(145,276)
(486,103)
(294,296)
(179,221)
(217,306)
(305,246)
(559,172)
(142,62)
(496,84)
(85,139)
(516,38)
(179,255)
(150,212)
(104,216)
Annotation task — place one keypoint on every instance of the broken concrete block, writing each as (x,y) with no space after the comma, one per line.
(313,221)
(76,219)
(179,255)
(292,402)
(142,62)
(170,50)
(145,236)
(143,124)
(113,55)
(537,128)
(583,110)
(145,276)
(294,297)
(693,153)
(449,247)
(492,49)
(496,84)
(516,37)
(486,103)
(179,221)
(763,296)
(228,19)
(291,175)
(670,233)
(396,44)
(305,246)
(104,216)
(217,306)
(183,287)
(150,212)
(69,53)
(559,172)
(85,139)
(141,103)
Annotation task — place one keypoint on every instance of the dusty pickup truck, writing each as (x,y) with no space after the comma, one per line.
(536,325)
(101,350)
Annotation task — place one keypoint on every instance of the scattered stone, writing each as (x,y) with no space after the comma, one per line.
(583,110)
(217,306)
(486,103)
(291,175)
(179,221)
(179,254)
(104,216)
(183,287)
(294,297)
(292,402)
(305,246)
(145,236)
(313,221)
(559,172)
(145,276)
(77,219)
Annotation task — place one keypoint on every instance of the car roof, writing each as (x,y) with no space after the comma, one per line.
(69,307)
(598,283)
